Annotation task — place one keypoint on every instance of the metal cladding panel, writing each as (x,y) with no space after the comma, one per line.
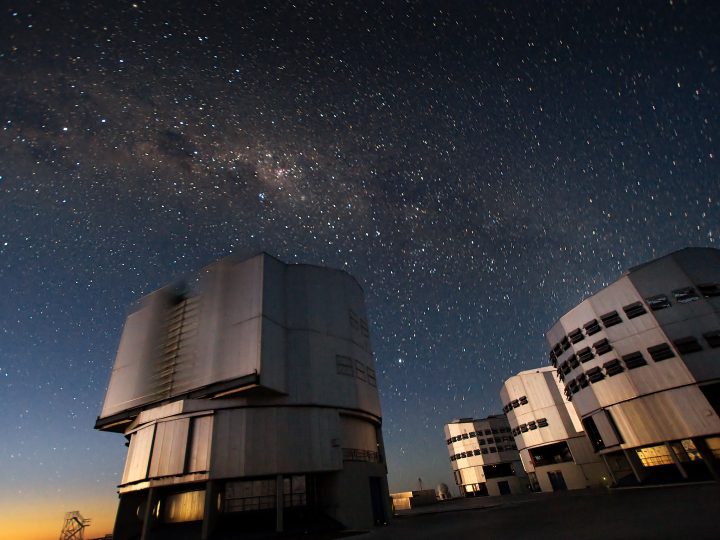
(200,443)
(138,457)
(678,413)
(274,440)
(132,381)
(168,454)
(582,450)
(358,433)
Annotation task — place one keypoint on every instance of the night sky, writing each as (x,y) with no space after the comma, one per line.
(480,167)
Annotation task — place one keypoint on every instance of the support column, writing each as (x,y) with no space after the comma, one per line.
(210,512)
(632,459)
(609,470)
(708,458)
(279,503)
(148,515)
(676,461)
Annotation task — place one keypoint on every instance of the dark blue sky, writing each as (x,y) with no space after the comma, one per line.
(479,166)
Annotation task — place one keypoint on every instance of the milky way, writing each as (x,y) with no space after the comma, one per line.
(479,166)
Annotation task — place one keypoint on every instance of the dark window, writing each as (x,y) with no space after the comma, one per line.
(585,354)
(712,394)
(371,378)
(495,430)
(708,290)
(490,440)
(472,434)
(515,404)
(523,400)
(576,335)
(542,422)
(610,319)
(687,345)
(595,375)
(634,360)
(661,352)
(550,453)
(685,295)
(572,387)
(582,380)
(613,367)
(481,441)
(506,409)
(523,428)
(713,338)
(573,361)
(496,471)
(565,343)
(449,441)
(591,327)
(493,450)
(565,368)
(465,436)
(476,452)
(484,450)
(568,394)
(634,310)
(557,349)
(487,431)
(593,433)
(453,458)
(553,359)
(560,374)
(532,425)
(601,347)
(658,302)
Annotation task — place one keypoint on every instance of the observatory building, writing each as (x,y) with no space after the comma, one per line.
(640,361)
(484,457)
(248,404)
(553,447)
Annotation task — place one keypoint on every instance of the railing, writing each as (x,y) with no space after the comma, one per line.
(358,454)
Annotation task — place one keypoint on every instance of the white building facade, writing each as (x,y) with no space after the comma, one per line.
(549,436)
(484,458)
(640,361)
(249,404)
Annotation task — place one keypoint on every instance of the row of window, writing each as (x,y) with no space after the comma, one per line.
(515,403)
(355,368)
(530,426)
(583,355)
(478,434)
(613,367)
(482,451)
(684,295)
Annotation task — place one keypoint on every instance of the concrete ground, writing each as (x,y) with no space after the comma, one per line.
(672,512)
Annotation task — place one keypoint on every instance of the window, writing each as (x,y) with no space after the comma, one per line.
(560,374)
(634,360)
(565,368)
(687,345)
(481,441)
(565,344)
(634,310)
(490,440)
(685,295)
(492,450)
(523,400)
(532,425)
(371,376)
(709,290)
(661,352)
(573,387)
(576,335)
(542,422)
(582,380)
(476,452)
(523,428)
(495,431)
(464,435)
(488,432)
(593,433)
(591,327)
(449,441)
(484,450)
(558,350)
(550,453)
(359,370)
(472,434)
(595,375)
(553,359)
(658,302)
(515,404)
(610,319)
(585,354)
(652,456)
(344,365)
(572,361)
(712,338)
(496,471)
(601,347)
(613,367)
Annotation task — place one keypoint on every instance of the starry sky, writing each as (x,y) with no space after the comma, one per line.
(480,167)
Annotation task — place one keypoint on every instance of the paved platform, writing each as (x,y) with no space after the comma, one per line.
(663,512)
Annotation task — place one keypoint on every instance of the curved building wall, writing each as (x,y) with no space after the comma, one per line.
(484,458)
(639,360)
(548,433)
(265,373)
